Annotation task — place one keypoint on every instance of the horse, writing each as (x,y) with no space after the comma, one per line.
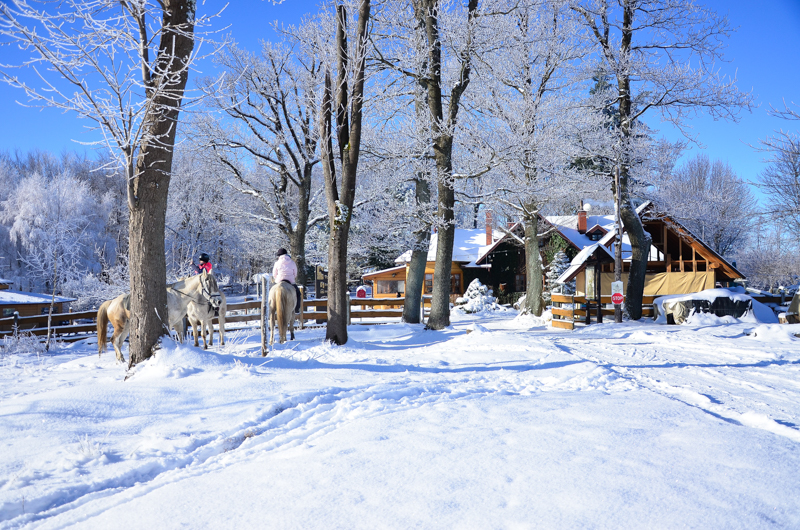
(203,315)
(282,299)
(201,288)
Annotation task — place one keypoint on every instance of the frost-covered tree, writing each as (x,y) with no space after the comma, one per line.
(660,55)
(780,181)
(54,221)
(266,142)
(122,66)
(535,81)
(342,103)
(710,200)
(556,268)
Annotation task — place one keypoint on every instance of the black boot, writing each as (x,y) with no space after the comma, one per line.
(299,299)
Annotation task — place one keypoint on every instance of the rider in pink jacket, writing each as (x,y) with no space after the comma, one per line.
(285,270)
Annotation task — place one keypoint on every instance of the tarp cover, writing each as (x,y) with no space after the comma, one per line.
(658,284)
(679,310)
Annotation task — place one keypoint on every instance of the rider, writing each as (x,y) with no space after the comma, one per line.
(285,270)
(204,265)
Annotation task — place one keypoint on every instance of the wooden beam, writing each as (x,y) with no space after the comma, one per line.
(680,251)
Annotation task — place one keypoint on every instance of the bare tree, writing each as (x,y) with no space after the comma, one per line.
(123,66)
(535,81)
(710,200)
(348,115)
(661,54)
(780,181)
(269,100)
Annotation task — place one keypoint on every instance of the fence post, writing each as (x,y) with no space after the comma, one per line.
(349,303)
(264,319)
(16,323)
(302,299)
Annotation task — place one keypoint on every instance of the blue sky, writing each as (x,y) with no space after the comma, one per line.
(762,54)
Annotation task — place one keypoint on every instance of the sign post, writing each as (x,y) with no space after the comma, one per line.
(617,298)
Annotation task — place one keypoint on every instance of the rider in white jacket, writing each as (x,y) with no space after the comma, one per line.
(285,270)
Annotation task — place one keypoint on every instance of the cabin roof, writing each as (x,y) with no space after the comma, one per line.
(9,297)
(468,247)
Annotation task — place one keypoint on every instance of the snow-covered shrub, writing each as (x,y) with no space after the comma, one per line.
(21,343)
(477,299)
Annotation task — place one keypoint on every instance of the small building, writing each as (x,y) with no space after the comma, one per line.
(5,284)
(679,262)
(469,247)
(29,304)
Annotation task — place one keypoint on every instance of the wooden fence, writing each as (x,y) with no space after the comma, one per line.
(70,327)
(570,312)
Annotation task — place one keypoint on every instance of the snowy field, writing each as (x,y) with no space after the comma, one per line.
(513,425)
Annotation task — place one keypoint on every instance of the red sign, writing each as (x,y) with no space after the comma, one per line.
(617,298)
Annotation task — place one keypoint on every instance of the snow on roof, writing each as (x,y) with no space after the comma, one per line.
(577,262)
(468,247)
(3,280)
(567,225)
(8,296)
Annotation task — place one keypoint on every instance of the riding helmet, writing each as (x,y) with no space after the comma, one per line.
(204,258)
(281,252)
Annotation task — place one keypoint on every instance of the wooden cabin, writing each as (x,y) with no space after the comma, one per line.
(5,284)
(679,262)
(28,305)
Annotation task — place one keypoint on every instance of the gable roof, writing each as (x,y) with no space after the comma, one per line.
(9,297)
(468,247)
(578,261)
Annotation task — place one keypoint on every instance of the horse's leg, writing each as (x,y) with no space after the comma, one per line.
(209,324)
(120,333)
(271,328)
(203,333)
(193,324)
(291,325)
(221,328)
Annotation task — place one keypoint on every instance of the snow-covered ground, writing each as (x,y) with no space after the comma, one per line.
(512,425)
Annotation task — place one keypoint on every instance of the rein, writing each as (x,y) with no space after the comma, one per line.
(205,293)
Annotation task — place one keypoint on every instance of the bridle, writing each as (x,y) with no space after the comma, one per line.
(214,300)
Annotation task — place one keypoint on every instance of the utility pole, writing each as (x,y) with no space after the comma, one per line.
(617,244)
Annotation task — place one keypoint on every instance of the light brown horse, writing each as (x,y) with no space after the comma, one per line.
(202,315)
(201,288)
(282,299)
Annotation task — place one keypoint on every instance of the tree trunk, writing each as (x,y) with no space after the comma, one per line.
(440,303)
(148,266)
(533,268)
(415,278)
(338,295)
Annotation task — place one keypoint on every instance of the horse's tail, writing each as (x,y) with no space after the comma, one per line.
(102,326)
(280,309)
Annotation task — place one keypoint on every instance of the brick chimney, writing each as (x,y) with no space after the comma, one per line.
(489,225)
(581,221)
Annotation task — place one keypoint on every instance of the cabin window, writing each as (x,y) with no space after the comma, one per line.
(596,236)
(428,283)
(455,284)
(519,283)
(8,311)
(391,286)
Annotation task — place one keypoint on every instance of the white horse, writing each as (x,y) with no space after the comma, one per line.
(200,288)
(202,314)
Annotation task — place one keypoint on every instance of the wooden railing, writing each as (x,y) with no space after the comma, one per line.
(67,329)
(570,311)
